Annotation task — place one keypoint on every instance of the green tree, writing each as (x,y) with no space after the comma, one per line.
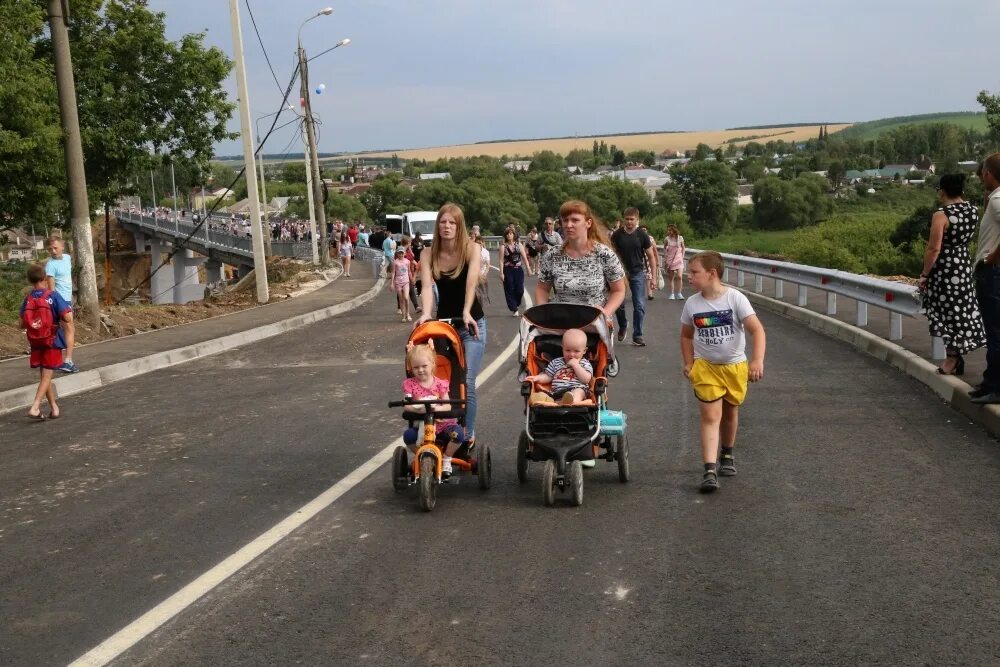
(547,161)
(137,90)
(385,196)
(709,192)
(787,204)
(836,171)
(294,172)
(32,176)
(991,103)
(701,152)
(642,157)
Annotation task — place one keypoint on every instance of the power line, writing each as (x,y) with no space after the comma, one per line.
(261,42)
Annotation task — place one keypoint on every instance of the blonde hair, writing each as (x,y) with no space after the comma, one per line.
(597,232)
(425,352)
(461,242)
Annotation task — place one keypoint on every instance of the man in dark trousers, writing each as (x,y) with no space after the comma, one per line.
(986,274)
(635,249)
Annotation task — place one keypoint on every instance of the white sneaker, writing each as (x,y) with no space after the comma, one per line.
(588,464)
(399,311)
(680,296)
(446,466)
(673,297)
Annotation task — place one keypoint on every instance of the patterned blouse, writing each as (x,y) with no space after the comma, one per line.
(584,280)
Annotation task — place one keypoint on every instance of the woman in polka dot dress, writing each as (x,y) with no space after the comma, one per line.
(950,297)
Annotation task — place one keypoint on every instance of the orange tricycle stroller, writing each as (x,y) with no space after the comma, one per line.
(437,424)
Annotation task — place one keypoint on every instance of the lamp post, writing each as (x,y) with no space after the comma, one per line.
(263,187)
(317,182)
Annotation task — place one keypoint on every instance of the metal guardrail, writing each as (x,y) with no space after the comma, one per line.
(898,298)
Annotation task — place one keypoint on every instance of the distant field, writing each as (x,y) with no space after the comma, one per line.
(871,129)
(657,142)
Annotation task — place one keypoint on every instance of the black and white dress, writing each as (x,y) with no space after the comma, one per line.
(950,300)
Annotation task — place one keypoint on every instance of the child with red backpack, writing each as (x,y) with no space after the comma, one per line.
(42,311)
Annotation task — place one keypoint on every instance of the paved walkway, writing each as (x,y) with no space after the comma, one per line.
(15,373)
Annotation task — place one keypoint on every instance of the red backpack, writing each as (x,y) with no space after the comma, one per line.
(38,321)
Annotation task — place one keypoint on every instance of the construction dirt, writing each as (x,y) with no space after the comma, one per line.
(284,277)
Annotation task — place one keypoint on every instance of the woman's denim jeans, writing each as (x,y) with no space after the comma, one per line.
(474,350)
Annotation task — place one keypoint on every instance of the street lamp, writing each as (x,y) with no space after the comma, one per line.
(311,141)
(266,228)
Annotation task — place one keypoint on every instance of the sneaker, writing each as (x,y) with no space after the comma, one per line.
(978,391)
(680,296)
(622,332)
(446,466)
(69,367)
(409,318)
(514,313)
(588,464)
(710,482)
(399,311)
(727,466)
(988,398)
(650,297)
(673,297)
(638,341)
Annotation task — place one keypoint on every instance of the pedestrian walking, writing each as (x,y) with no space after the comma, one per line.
(346,251)
(673,261)
(713,345)
(512,262)
(401,280)
(550,237)
(59,278)
(635,249)
(531,245)
(44,314)
(452,264)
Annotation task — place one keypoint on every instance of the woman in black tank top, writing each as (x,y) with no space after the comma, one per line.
(452,263)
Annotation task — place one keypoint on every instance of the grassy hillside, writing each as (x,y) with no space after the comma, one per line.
(871,129)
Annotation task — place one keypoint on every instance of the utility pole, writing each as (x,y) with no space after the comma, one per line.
(317,182)
(83,242)
(309,195)
(259,261)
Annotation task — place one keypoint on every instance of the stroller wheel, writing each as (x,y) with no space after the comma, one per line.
(522,457)
(484,467)
(622,455)
(549,483)
(576,482)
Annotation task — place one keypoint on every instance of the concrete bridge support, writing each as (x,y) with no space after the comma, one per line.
(214,272)
(161,283)
(186,285)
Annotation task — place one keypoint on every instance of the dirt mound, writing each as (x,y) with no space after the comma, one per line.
(284,277)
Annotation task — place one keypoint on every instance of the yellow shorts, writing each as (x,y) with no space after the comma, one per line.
(714,381)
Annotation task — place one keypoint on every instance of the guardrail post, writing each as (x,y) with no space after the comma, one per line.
(938,350)
(831,303)
(725,275)
(803,296)
(862,318)
(758,284)
(895,326)
(740,278)
(779,289)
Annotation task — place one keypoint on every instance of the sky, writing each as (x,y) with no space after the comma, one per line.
(422,73)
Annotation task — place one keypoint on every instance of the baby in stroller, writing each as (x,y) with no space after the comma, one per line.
(424,384)
(570,374)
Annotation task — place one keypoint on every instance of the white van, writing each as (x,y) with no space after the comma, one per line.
(412,224)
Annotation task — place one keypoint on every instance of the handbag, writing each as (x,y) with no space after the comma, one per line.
(660,282)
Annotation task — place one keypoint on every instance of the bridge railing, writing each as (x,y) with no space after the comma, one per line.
(213,238)
(899,299)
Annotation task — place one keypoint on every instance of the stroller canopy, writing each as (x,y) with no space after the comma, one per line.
(556,318)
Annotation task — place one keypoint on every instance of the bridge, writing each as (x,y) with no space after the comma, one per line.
(213,246)
(859,529)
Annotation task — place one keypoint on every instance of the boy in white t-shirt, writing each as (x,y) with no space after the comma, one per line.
(713,345)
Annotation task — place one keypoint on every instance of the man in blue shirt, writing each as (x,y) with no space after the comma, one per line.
(59,279)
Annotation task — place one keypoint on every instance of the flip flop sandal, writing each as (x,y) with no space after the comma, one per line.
(38,418)
(52,416)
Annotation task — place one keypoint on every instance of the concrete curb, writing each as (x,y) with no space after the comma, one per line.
(952,390)
(67,385)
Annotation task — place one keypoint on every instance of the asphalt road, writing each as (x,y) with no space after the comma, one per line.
(860,529)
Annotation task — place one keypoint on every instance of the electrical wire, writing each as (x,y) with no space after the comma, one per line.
(261,42)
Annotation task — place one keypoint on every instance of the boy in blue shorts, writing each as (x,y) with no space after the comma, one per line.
(41,313)
(713,326)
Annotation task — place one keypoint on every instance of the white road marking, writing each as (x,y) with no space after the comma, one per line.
(149,622)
